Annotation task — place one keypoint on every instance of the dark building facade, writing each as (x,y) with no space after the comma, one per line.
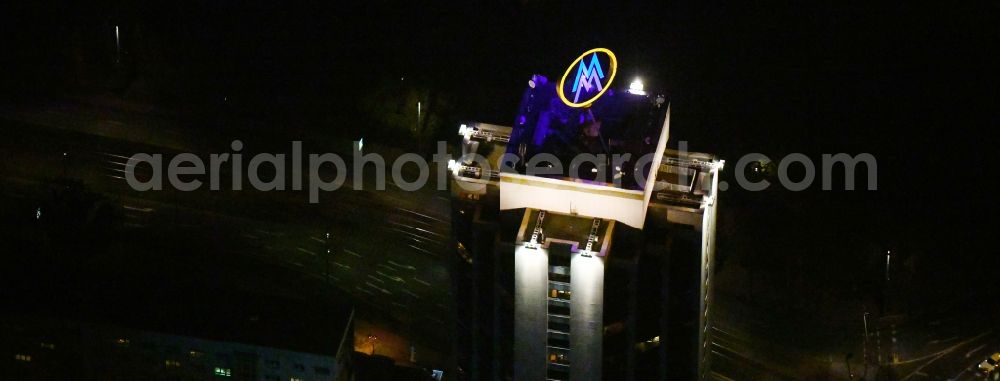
(180,345)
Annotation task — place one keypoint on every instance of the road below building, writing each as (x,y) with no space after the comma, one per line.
(385,250)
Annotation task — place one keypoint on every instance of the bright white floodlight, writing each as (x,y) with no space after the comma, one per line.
(636,87)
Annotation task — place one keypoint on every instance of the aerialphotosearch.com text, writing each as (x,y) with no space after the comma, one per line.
(326,172)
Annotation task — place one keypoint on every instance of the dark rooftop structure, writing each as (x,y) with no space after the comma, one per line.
(617,123)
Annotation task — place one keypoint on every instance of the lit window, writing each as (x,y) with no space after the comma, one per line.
(196,354)
(224,372)
(123,342)
(560,294)
(173,364)
(24,358)
(295,379)
(558,358)
(48,346)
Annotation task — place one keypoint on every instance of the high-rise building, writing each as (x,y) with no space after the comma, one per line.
(585,246)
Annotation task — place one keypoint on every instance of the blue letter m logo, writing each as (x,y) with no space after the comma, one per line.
(588,77)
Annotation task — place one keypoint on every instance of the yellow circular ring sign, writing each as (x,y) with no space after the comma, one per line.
(613,70)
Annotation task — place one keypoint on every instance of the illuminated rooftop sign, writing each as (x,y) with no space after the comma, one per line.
(590,76)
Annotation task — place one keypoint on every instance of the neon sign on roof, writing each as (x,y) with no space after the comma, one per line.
(589,81)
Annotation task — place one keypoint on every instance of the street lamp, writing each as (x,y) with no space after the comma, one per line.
(118,46)
(864,343)
(888,261)
(372,339)
(847,360)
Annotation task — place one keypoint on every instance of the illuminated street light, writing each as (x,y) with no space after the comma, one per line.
(372,339)
(888,261)
(118,46)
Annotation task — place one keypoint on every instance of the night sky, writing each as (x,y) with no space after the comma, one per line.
(912,85)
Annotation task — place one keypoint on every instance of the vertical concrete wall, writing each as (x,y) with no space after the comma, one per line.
(531,278)
(587,318)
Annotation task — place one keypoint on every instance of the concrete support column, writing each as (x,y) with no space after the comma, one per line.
(587,324)
(531,278)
